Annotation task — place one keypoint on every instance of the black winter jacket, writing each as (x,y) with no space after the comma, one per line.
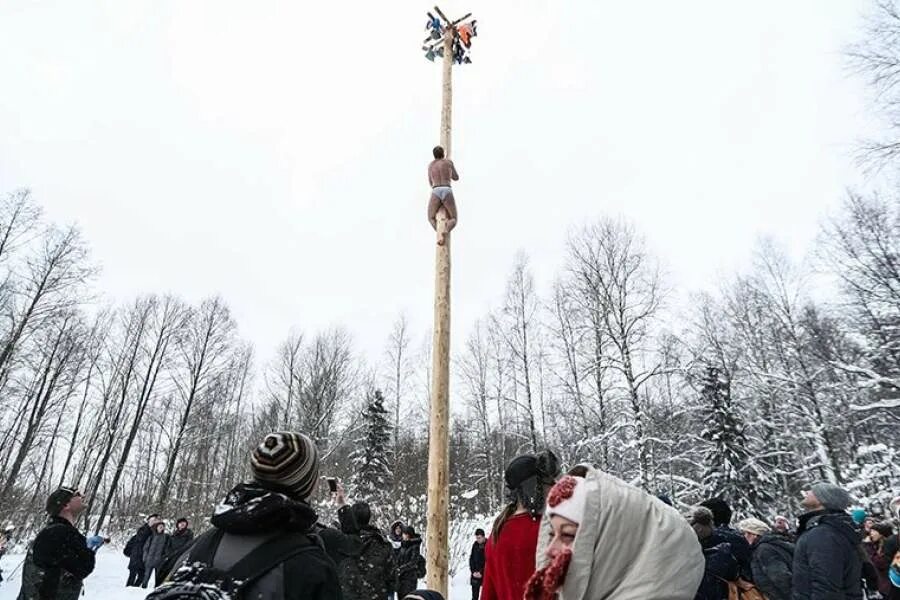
(179,540)
(827,558)
(772,561)
(256,515)
(134,548)
(56,563)
(476,561)
(720,566)
(740,548)
(410,562)
(365,559)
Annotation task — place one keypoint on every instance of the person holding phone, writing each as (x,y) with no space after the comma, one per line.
(364,557)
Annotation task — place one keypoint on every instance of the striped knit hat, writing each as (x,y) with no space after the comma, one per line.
(286,462)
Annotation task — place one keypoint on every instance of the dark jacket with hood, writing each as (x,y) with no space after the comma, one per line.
(365,560)
(772,561)
(394,538)
(155,549)
(720,564)
(253,516)
(740,547)
(827,558)
(134,548)
(410,565)
(56,563)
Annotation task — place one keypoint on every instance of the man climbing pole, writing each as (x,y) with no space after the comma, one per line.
(440,172)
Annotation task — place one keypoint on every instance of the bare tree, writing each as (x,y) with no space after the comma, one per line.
(49,286)
(401,368)
(877,58)
(167,317)
(518,329)
(612,260)
(203,351)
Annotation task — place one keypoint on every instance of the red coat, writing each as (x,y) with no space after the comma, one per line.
(509,560)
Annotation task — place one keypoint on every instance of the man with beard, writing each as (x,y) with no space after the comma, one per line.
(59,558)
(828,558)
(603,538)
(268,522)
(181,537)
(510,551)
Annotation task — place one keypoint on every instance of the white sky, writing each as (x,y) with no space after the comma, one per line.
(275,152)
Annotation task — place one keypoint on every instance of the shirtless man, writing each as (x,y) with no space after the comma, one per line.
(440,172)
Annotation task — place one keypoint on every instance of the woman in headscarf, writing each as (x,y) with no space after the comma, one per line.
(602,539)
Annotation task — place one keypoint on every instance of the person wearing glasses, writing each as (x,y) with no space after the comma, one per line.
(58,559)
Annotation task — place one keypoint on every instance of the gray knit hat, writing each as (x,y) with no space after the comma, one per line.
(286,462)
(831,496)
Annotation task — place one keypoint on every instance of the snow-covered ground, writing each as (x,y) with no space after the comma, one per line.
(106,583)
(108,580)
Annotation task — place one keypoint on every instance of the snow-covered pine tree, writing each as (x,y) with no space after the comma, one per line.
(730,473)
(372,477)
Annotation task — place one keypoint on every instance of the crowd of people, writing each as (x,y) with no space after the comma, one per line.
(149,547)
(575,536)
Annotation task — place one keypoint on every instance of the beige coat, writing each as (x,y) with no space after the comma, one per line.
(630,546)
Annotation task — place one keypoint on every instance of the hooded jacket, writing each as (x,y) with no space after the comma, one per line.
(629,546)
(827,559)
(771,565)
(410,562)
(251,516)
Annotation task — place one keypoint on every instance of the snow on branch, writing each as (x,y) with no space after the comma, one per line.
(879,405)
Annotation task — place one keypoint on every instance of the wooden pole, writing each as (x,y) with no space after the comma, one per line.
(437,532)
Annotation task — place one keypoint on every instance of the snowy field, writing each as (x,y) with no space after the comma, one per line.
(108,580)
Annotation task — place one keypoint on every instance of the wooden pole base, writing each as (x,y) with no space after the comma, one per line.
(437,533)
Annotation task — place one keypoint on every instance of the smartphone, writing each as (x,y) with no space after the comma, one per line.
(332,484)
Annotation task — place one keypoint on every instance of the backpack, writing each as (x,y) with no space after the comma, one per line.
(197,579)
(129,546)
(420,567)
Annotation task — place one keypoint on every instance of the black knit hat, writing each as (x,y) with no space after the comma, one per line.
(720,510)
(543,466)
(528,476)
(59,498)
(362,513)
(286,462)
(480,532)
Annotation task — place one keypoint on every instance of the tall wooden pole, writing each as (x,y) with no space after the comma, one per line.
(437,532)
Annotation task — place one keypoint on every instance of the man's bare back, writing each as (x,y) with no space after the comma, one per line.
(441,172)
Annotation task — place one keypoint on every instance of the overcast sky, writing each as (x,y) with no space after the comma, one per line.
(275,152)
